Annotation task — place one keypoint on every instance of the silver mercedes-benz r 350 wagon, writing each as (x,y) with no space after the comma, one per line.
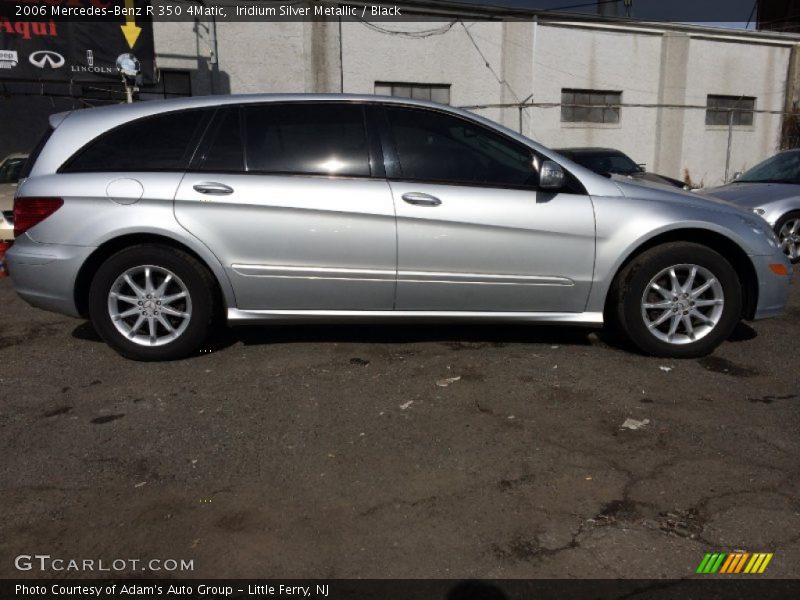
(153,219)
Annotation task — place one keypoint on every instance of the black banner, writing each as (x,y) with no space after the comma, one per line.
(744,588)
(772,14)
(52,49)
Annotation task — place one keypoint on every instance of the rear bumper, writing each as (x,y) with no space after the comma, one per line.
(773,290)
(44,274)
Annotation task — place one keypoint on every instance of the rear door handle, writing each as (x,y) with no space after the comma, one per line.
(217,189)
(421,199)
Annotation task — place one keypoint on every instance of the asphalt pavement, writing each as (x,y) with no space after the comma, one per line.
(398,451)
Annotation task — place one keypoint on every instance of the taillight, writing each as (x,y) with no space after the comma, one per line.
(32,211)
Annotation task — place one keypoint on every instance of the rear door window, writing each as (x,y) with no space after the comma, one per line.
(307,139)
(164,142)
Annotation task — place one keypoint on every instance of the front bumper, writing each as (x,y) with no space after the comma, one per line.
(44,274)
(773,289)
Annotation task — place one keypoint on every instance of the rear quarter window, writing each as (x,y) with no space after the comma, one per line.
(163,142)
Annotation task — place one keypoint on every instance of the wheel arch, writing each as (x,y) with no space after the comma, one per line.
(729,249)
(110,247)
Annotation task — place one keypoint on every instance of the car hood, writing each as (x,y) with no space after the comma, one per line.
(647,176)
(7,191)
(668,193)
(751,195)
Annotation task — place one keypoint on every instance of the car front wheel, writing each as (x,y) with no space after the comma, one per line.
(679,300)
(788,231)
(152,302)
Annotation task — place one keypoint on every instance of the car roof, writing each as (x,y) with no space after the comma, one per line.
(153,107)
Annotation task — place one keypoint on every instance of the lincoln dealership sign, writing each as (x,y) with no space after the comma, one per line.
(39,43)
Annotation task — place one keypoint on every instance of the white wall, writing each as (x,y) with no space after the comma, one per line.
(448,58)
(570,57)
(733,69)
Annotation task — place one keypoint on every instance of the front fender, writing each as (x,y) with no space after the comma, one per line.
(625,227)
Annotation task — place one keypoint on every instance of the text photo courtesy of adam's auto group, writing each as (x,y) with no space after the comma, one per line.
(462,301)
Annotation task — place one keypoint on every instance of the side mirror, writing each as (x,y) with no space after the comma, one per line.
(737,175)
(551,176)
(642,167)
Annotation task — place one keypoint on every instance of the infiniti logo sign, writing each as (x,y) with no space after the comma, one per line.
(46,58)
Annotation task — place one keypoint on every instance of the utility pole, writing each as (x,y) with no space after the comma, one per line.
(521,108)
(730,143)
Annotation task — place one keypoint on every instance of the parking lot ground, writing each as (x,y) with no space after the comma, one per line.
(402,451)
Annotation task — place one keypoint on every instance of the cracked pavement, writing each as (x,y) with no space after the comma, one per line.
(333,451)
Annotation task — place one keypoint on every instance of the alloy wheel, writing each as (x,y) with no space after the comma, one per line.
(682,304)
(149,305)
(789,236)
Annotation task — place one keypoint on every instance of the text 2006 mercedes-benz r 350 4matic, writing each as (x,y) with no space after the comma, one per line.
(153,219)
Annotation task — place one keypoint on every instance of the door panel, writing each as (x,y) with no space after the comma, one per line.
(295,242)
(473,232)
(492,249)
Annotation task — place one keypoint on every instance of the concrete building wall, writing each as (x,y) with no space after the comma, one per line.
(186,47)
(446,58)
(242,58)
(732,69)
(589,58)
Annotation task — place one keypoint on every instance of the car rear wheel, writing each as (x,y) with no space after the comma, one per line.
(788,231)
(152,302)
(678,300)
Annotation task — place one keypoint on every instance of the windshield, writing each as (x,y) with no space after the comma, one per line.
(608,163)
(781,168)
(10,170)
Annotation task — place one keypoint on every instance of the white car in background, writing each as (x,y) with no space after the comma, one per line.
(771,189)
(10,170)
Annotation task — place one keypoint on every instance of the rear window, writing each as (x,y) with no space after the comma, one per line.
(164,142)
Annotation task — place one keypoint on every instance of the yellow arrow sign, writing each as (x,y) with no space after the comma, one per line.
(130,30)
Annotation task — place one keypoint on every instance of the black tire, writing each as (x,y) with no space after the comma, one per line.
(635,278)
(197,280)
(795,214)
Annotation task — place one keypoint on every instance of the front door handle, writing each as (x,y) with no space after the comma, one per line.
(421,199)
(216,189)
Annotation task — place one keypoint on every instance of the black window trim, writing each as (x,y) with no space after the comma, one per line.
(382,153)
(207,113)
(394,170)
